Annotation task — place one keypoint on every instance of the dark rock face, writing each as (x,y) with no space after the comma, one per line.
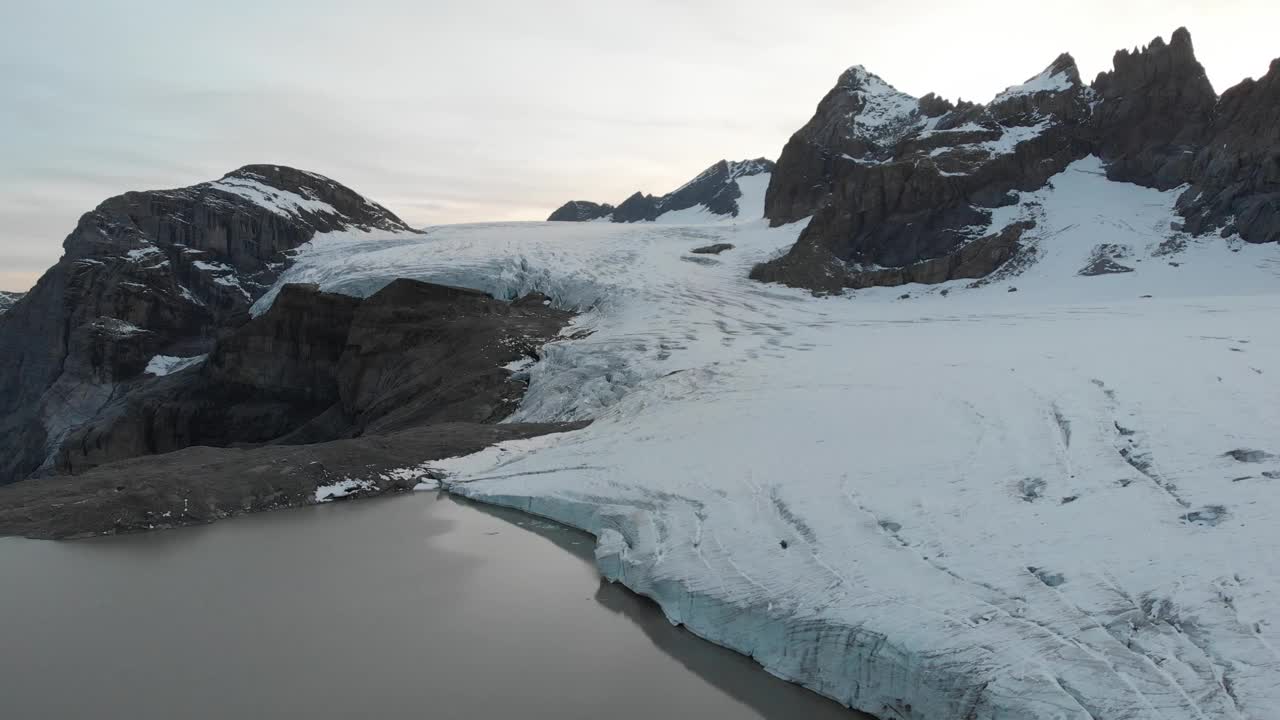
(580,211)
(637,208)
(1105,260)
(715,189)
(919,189)
(318,367)
(1236,176)
(860,119)
(1153,112)
(893,184)
(147,273)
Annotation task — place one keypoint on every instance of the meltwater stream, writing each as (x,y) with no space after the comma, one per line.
(418,606)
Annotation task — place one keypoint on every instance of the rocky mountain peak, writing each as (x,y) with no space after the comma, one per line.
(933,105)
(866,109)
(1066,64)
(581,211)
(1062,75)
(150,273)
(904,191)
(746,168)
(714,189)
(859,79)
(1156,63)
(1236,174)
(862,118)
(1154,109)
(307,195)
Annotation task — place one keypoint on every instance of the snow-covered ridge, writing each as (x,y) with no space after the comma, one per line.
(885,111)
(742,168)
(716,194)
(1010,138)
(1050,80)
(750,204)
(1050,503)
(282,202)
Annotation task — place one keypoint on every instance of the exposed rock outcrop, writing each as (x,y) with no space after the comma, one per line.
(581,211)
(897,188)
(860,120)
(147,273)
(1236,175)
(1153,112)
(714,189)
(712,249)
(919,189)
(318,367)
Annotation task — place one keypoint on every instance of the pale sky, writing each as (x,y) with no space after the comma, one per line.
(498,110)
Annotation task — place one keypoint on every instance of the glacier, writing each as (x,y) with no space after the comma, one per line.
(1044,494)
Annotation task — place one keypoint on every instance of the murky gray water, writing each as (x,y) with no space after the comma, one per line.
(406,607)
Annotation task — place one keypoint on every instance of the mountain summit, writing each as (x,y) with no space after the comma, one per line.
(715,191)
(152,273)
(904,190)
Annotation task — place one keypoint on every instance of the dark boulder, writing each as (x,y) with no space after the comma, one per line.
(713,249)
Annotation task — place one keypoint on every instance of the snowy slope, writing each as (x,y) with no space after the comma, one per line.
(1051,503)
(750,205)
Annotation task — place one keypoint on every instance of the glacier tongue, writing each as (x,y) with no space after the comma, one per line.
(960,502)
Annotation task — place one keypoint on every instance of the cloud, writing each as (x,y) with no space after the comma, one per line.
(452,112)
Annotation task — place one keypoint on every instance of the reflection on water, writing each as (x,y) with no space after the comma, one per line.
(408,607)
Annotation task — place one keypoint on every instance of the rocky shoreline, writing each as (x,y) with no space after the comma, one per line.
(322,397)
(139,391)
(199,485)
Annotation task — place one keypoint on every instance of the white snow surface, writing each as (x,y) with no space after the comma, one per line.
(161,365)
(750,205)
(341,489)
(280,202)
(1044,82)
(1008,141)
(1057,503)
(885,108)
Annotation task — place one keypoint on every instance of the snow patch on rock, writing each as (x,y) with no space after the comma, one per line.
(162,365)
(1049,80)
(887,114)
(280,202)
(341,489)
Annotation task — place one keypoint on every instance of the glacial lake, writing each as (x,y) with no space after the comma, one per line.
(417,606)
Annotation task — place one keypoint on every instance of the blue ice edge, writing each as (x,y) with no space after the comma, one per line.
(850,664)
